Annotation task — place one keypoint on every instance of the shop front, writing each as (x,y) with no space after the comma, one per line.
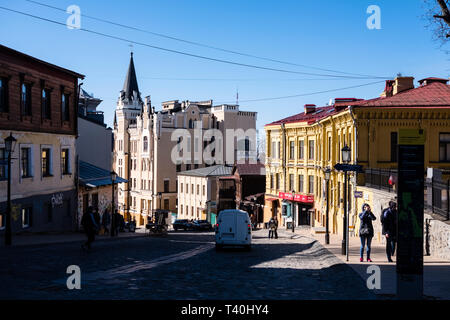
(296,209)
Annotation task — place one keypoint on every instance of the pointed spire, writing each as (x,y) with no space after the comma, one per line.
(130,89)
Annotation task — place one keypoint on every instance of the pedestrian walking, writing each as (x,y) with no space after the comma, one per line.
(90,227)
(271,228)
(389,222)
(106,220)
(366,231)
(275,221)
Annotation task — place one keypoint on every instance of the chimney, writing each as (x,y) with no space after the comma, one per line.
(388,89)
(427,81)
(310,108)
(402,84)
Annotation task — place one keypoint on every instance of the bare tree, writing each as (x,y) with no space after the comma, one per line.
(438,15)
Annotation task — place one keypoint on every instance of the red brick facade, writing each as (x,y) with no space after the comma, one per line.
(17,68)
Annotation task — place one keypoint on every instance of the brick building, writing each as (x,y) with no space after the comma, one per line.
(38,106)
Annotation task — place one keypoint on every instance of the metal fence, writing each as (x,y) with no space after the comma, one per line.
(379,178)
(437,197)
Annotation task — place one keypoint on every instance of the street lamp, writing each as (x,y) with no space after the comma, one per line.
(113,214)
(327,232)
(293,210)
(10,144)
(346,159)
(160,197)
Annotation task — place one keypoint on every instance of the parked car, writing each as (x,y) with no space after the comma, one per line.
(233,228)
(183,224)
(202,225)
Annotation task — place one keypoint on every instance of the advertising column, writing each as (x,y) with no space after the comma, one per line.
(410,213)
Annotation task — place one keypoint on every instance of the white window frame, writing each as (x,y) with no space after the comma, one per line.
(69,164)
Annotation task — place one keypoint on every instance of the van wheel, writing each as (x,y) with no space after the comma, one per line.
(219,247)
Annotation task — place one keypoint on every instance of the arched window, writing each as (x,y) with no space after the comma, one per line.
(145,144)
(191,124)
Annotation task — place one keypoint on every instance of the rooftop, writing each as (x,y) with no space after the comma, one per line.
(212,171)
(432,93)
(93,176)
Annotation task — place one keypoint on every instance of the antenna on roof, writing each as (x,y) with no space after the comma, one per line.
(237,96)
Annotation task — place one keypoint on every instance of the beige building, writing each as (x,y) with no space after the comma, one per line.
(197,191)
(150,146)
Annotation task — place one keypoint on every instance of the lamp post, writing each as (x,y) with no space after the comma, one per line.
(327,231)
(113,213)
(10,143)
(293,211)
(345,159)
(160,197)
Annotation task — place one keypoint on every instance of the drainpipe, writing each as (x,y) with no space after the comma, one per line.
(284,154)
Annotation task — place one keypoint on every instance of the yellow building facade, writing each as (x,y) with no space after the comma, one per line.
(300,148)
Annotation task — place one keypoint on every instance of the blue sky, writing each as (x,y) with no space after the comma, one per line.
(328,34)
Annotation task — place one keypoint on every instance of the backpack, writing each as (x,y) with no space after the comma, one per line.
(384,215)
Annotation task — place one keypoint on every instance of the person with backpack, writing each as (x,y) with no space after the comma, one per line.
(389,223)
(366,231)
(275,222)
(90,227)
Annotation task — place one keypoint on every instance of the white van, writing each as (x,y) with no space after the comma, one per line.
(233,228)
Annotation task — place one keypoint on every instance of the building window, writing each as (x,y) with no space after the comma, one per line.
(278,150)
(4,95)
(65,107)
(204,190)
(181,189)
(166,204)
(300,183)
(311,185)
(26,99)
(291,182)
(329,148)
(291,150)
(278,181)
(271,181)
(191,124)
(65,161)
(181,209)
(2,221)
(25,162)
(178,167)
(26,217)
(311,150)
(444,147)
(394,144)
(301,149)
(198,189)
(45,158)
(166,186)
(145,144)
(274,153)
(46,107)
(196,166)
(188,167)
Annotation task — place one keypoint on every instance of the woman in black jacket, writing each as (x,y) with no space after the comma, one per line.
(366,230)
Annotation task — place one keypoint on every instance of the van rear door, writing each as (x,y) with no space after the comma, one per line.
(242,226)
(227,225)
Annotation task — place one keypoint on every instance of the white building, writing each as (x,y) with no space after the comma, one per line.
(197,191)
(145,140)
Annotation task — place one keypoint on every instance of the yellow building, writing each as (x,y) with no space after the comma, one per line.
(300,148)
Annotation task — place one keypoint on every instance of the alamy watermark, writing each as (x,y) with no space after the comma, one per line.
(374,20)
(74,19)
(74,280)
(374,280)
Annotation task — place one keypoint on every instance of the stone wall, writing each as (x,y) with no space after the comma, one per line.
(438,243)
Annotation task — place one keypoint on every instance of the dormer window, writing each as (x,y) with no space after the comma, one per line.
(145,144)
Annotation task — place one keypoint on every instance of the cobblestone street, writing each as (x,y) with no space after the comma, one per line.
(182,265)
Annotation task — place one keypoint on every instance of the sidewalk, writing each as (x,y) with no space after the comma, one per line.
(52,238)
(436,277)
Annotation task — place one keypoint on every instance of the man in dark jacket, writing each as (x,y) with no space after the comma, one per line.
(389,222)
(90,227)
